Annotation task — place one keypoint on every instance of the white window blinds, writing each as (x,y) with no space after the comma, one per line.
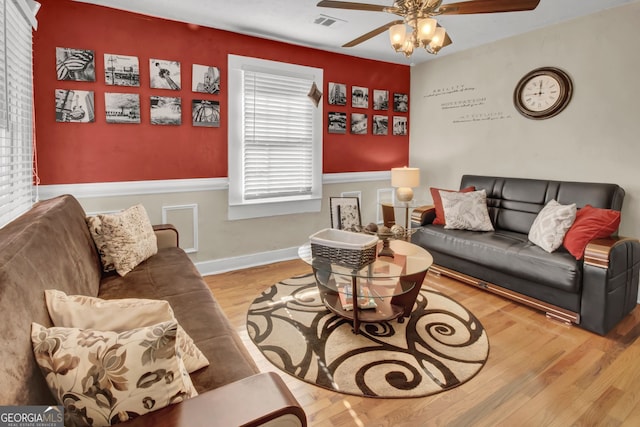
(16,109)
(278,136)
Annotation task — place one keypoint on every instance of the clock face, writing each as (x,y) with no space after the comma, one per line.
(542,93)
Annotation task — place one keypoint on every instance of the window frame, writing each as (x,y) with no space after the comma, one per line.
(239,207)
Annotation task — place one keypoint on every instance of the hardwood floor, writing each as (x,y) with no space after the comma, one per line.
(539,372)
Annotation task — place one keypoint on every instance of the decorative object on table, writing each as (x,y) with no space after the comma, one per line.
(205,79)
(358,124)
(354,250)
(75,64)
(359,97)
(75,106)
(166,110)
(205,113)
(337,122)
(543,93)
(121,70)
(372,227)
(404,179)
(164,74)
(291,326)
(384,233)
(122,107)
(400,125)
(337,94)
(345,212)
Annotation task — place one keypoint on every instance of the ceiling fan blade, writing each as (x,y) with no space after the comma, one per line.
(371,34)
(487,6)
(356,6)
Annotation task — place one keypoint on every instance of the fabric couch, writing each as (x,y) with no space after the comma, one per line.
(594,292)
(50,247)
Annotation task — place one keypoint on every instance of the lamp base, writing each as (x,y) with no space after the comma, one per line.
(404,194)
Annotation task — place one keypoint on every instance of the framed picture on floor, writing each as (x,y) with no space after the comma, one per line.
(345,213)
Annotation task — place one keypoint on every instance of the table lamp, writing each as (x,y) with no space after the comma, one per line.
(404,179)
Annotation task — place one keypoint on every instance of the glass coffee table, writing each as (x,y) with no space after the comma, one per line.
(387,288)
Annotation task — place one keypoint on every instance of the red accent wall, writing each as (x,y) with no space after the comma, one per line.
(106,152)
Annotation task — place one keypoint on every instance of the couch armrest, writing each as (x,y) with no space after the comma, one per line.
(423,215)
(611,273)
(167,236)
(259,400)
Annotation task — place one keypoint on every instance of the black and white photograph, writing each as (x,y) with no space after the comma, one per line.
(205,79)
(74,106)
(399,125)
(75,64)
(122,107)
(337,122)
(380,100)
(380,125)
(400,102)
(359,97)
(166,110)
(337,94)
(205,113)
(164,74)
(358,123)
(121,70)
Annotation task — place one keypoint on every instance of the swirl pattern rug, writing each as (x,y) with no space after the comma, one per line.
(440,346)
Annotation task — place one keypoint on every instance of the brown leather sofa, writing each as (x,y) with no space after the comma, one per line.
(50,247)
(595,292)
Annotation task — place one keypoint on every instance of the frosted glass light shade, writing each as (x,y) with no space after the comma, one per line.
(397,35)
(438,39)
(426,30)
(404,179)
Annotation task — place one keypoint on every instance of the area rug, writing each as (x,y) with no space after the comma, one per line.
(440,346)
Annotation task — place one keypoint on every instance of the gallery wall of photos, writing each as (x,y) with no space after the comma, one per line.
(123,71)
(376,108)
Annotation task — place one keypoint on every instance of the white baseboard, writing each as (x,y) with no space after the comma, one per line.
(224,265)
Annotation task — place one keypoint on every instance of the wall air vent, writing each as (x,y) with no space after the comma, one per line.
(328,21)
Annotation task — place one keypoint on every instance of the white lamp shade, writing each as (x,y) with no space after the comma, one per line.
(397,35)
(426,30)
(438,38)
(405,177)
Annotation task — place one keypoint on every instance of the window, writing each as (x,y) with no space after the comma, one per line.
(16,105)
(275,138)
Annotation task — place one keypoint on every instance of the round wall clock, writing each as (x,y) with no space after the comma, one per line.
(543,93)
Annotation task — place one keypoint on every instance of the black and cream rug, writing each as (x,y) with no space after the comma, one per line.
(439,347)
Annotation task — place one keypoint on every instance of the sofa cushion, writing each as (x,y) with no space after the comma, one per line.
(591,223)
(466,211)
(109,377)
(508,252)
(124,239)
(437,202)
(119,315)
(551,225)
(170,275)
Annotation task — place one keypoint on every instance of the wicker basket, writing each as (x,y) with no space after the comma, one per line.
(351,249)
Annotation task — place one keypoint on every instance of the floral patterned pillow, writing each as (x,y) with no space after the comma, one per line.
(104,378)
(123,239)
(466,211)
(85,312)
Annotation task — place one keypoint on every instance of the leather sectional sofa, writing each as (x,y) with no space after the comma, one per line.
(50,247)
(595,292)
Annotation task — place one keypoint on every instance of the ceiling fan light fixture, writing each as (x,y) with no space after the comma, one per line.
(398,35)
(426,30)
(437,41)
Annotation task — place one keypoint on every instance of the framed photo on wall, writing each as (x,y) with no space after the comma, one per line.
(75,64)
(400,102)
(380,125)
(399,125)
(205,113)
(337,122)
(337,94)
(359,97)
(358,123)
(122,107)
(345,212)
(380,100)
(74,106)
(164,74)
(121,70)
(166,110)
(205,79)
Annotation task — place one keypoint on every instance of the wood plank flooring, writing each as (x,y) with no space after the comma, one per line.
(539,373)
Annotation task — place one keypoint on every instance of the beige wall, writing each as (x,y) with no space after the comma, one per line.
(594,139)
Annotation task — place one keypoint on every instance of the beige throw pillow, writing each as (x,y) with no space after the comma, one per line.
(103,377)
(466,211)
(551,224)
(80,311)
(123,239)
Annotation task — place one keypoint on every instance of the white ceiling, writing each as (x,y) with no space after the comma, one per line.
(292,21)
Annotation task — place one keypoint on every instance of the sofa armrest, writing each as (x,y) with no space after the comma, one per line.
(611,273)
(167,236)
(259,400)
(423,215)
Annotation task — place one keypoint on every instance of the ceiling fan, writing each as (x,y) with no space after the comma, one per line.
(418,17)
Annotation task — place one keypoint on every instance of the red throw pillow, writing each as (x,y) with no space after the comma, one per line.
(591,223)
(437,201)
